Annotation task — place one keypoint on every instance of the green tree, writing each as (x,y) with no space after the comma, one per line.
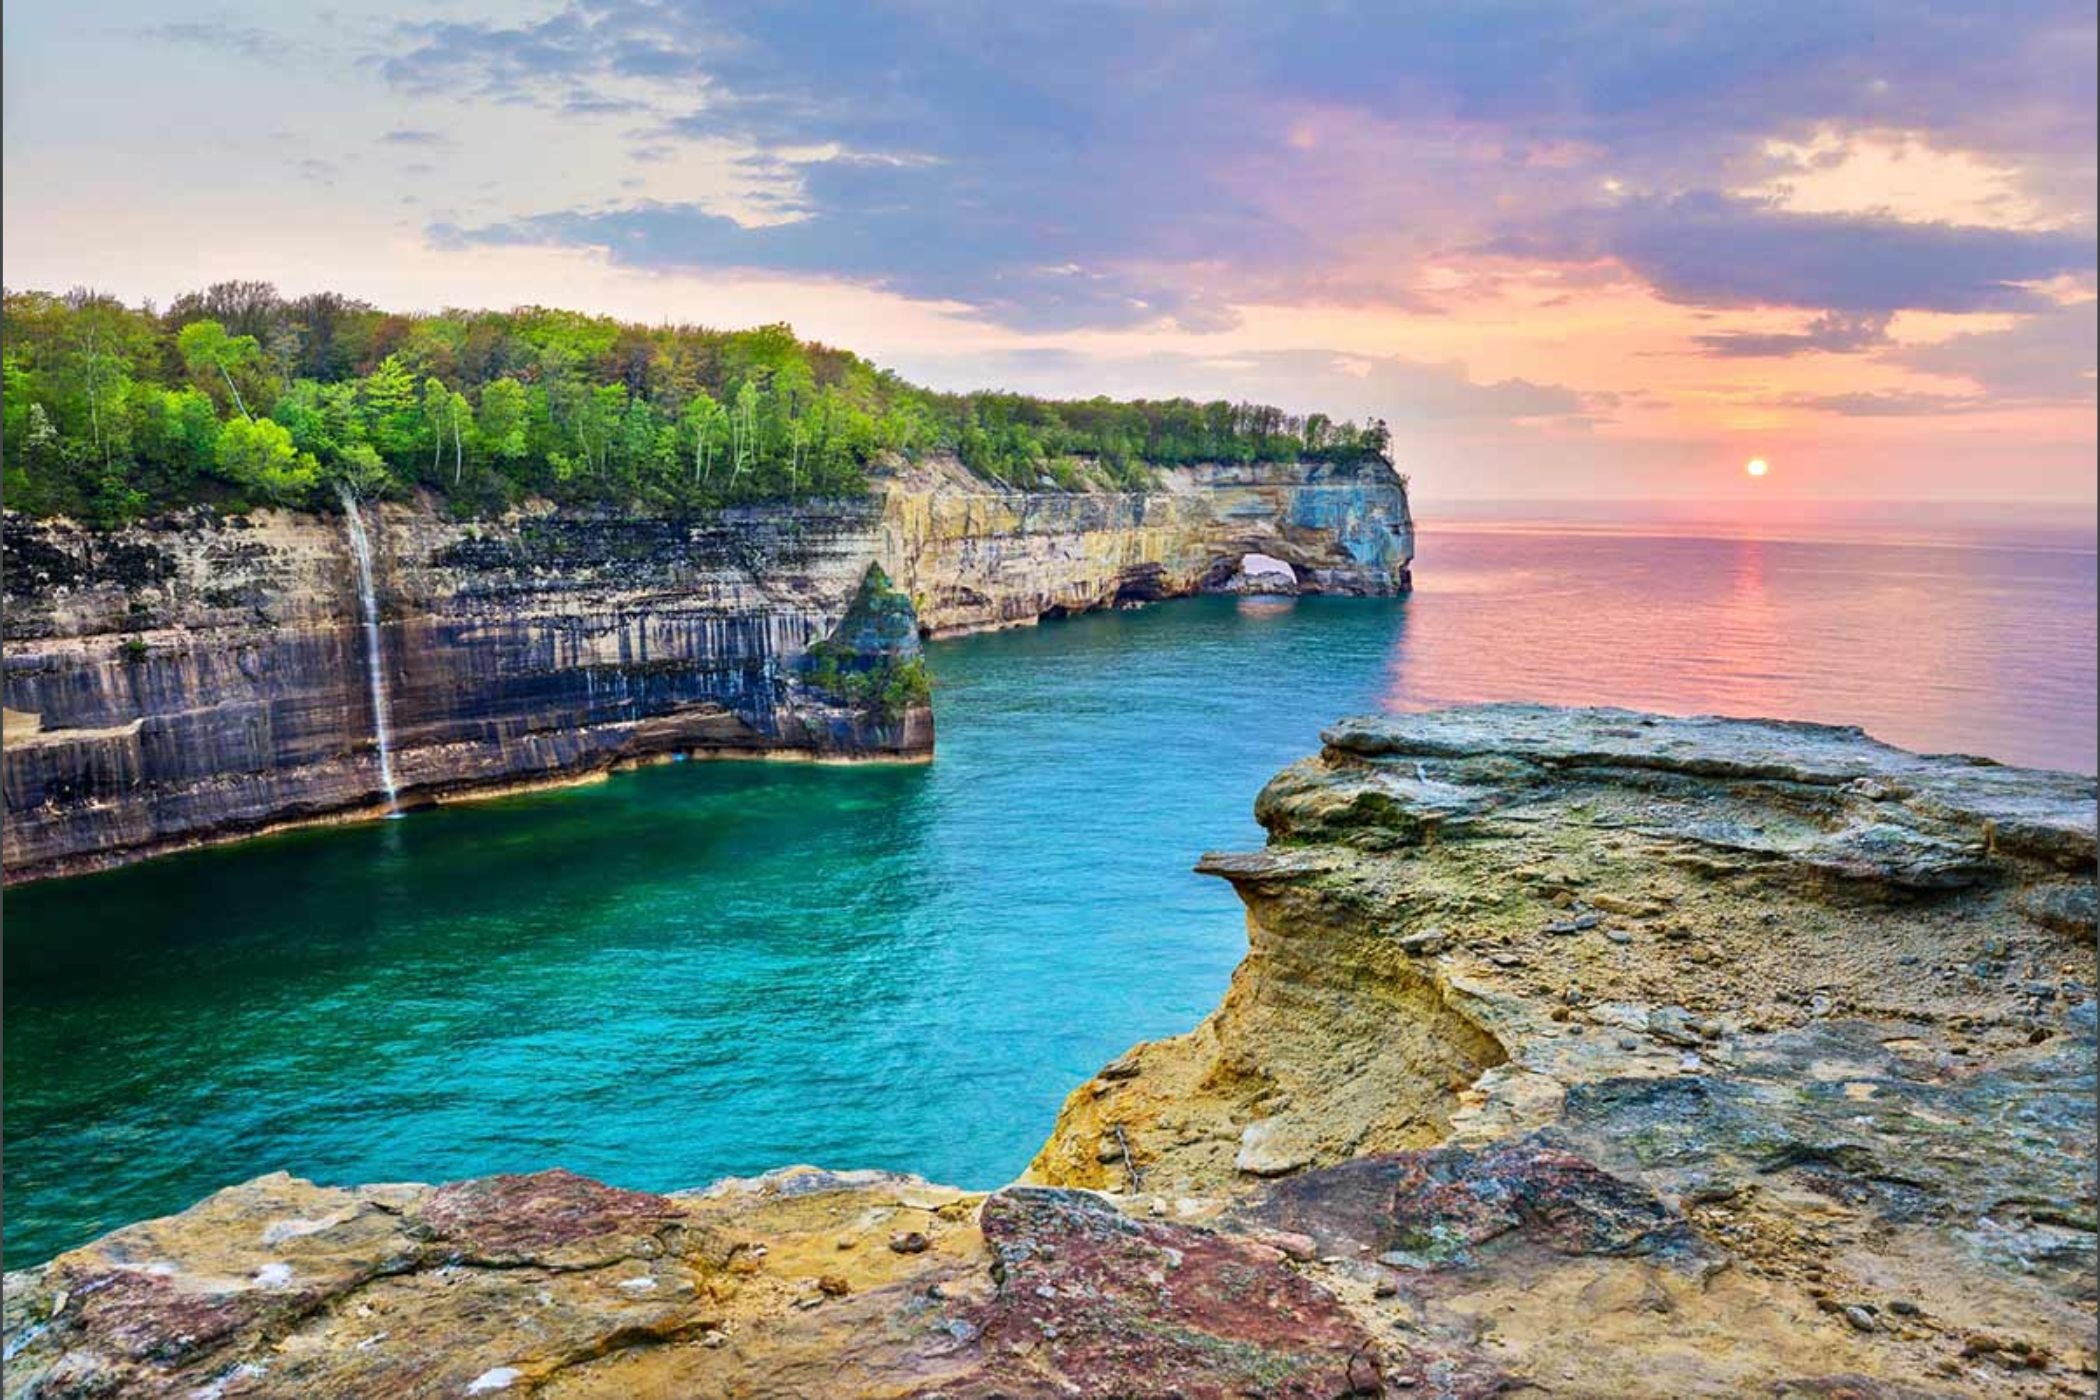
(192,426)
(503,422)
(258,454)
(743,430)
(363,471)
(210,352)
(391,412)
(704,423)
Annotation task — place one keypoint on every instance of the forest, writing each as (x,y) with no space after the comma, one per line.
(238,397)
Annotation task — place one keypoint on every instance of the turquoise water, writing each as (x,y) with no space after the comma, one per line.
(713,968)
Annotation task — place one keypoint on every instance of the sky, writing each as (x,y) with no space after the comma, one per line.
(1587,249)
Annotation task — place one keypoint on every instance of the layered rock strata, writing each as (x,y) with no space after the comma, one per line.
(199,678)
(1577,1053)
(975,557)
(208,678)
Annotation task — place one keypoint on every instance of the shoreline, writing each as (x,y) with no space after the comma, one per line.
(102,862)
(1564,1017)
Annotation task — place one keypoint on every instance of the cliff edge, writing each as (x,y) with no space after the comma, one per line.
(199,677)
(1578,1053)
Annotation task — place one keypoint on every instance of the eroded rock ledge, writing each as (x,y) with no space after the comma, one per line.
(1580,1053)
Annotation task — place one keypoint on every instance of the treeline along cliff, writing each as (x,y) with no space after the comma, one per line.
(587,543)
(239,397)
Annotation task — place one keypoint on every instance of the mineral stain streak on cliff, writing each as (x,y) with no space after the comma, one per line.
(1576,1053)
(201,678)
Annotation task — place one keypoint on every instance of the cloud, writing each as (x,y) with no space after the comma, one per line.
(1712,249)
(411,136)
(993,258)
(1834,333)
(453,58)
(1188,161)
(1409,394)
(246,41)
(2044,357)
(1887,404)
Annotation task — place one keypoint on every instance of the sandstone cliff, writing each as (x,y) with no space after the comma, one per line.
(198,678)
(1576,1053)
(974,556)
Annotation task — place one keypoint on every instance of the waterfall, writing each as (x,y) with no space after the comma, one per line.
(374,676)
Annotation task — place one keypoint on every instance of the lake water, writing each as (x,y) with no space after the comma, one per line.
(714,968)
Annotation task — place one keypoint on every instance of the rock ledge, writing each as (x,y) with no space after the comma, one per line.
(1579,1053)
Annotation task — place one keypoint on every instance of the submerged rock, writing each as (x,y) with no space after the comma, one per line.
(1828,1131)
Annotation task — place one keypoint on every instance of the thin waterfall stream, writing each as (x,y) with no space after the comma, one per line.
(375,675)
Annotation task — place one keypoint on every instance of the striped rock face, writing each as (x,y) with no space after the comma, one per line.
(199,678)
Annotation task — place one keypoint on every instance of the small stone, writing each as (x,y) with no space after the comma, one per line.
(1903,1307)
(1261,1154)
(1108,1151)
(909,1242)
(1619,936)
(1384,1288)
(1292,1245)
(1429,941)
(1124,1066)
(1505,959)
(1673,1025)
(832,1286)
(1860,1318)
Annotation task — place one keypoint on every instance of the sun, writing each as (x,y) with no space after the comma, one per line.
(1757,466)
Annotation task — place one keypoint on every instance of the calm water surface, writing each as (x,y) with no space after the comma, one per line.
(705,969)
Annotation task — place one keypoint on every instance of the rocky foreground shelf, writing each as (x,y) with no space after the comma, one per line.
(1579,1053)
